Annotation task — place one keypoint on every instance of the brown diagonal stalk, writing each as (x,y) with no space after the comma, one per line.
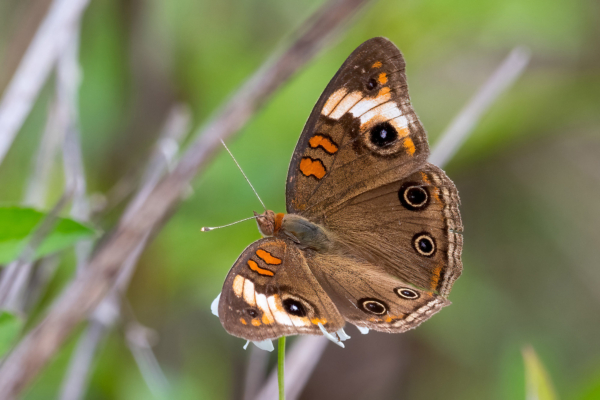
(86,291)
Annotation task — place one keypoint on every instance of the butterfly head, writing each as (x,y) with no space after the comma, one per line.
(269,223)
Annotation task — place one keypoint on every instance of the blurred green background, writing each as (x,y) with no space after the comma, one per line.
(528,177)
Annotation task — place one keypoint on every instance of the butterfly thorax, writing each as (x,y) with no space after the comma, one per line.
(305,233)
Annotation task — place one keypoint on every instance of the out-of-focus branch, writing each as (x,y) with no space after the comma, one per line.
(140,344)
(85,293)
(40,57)
(107,313)
(15,275)
(61,126)
(26,257)
(466,120)
(256,371)
(68,79)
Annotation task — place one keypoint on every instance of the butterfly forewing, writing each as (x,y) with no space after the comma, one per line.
(270,292)
(363,133)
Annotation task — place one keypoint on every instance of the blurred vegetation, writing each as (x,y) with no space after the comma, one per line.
(529,180)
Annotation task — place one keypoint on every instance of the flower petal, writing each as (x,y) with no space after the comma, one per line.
(342,335)
(330,336)
(214,306)
(266,345)
(363,330)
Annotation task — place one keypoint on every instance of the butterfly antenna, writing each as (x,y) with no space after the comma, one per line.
(211,228)
(247,180)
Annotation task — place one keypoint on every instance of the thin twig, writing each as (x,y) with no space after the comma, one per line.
(466,120)
(141,347)
(255,372)
(15,275)
(32,72)
(78,374)
(67,87)
(61,126)
(27,255)
(39,177)
(75,177)
(84,293)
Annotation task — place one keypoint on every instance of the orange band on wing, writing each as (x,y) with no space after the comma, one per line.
(377,64)
(428,182)
(254,267)
(382,78)
(326,143)
(309,167)
(409,145)
(383,91)
(267,257)
(435,278)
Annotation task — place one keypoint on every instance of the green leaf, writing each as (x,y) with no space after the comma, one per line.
(17,224)
(10,326)
(537,381)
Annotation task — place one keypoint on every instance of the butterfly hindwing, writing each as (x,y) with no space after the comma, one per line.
(411,228)
(270,292)
(368,296)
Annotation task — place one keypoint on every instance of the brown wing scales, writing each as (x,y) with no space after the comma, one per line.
(372,133)
(270,292)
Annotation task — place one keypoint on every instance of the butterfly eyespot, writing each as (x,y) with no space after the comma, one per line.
(373,306)
(407,293)
(413,197)
(383,134)
(294,307)
(252,312)
(372,84)
(424,244)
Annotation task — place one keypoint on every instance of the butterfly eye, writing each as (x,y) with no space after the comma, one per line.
(372,84)
(406,293)
(372,306)
(383,134)
(413,196)
(424,244)
(294,307)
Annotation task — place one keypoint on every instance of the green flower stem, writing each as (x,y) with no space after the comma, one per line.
(280,363)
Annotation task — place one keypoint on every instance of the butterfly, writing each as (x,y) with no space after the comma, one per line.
(372,234)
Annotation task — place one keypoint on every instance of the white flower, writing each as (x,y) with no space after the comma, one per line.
(363,330)
(333,338)
(266,345)
(214,306)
